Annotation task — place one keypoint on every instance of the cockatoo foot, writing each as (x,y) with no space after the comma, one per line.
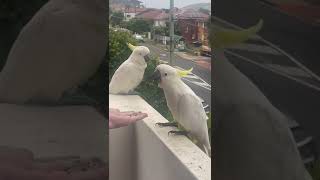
(170,124)
(185,133)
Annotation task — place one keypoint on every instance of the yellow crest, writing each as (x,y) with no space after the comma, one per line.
(221,37)
(184,73)
(132,47)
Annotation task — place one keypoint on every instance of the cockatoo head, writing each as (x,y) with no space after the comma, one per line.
(168,74)
(140,51)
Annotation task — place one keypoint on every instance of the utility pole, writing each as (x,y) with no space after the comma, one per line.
(171,62)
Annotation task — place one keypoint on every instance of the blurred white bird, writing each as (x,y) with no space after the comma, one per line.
(251,137)
(60,48)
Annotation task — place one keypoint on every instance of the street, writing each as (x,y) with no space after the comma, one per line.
(200,79)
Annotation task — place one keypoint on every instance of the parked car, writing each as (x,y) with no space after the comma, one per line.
(138,37)
(205,51)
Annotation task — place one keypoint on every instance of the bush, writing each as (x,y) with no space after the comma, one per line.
(116,18)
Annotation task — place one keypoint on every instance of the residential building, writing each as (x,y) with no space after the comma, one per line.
(159,17)
(130,13)
(192,25)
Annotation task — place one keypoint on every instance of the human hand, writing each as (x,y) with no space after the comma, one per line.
(119,119)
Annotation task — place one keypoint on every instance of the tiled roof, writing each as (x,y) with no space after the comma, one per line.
(134,10)
(191,14)
(153,14)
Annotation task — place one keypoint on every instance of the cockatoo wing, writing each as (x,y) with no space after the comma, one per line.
(126,78)
(192,117)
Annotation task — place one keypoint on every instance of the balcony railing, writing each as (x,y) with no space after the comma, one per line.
(144,151)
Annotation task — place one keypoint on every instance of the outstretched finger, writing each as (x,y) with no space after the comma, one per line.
(136,117)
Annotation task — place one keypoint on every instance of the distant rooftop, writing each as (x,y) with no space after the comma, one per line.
(198,6)
(191,14)
(134,10)
(153,14)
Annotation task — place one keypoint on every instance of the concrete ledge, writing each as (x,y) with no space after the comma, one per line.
(144,151)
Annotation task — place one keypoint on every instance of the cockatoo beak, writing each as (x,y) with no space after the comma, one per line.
(147,58)
(155,76)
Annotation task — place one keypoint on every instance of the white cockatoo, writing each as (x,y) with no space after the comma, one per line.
(60,48)
(185,106)
(251,137)
(130,73)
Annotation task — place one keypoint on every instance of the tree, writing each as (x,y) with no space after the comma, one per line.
(116,18)
(139,25)
(160,30)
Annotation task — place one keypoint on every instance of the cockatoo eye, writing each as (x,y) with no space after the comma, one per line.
(140,54)
(165,74)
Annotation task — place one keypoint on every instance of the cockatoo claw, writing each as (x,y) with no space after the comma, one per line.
(185,133)
(172,124)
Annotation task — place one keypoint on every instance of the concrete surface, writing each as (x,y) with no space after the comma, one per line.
(54,131)
(146,151)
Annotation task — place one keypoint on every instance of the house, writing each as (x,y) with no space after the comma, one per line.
(159,17)
(129,8)
(130,13)
(117,7)
(192,25)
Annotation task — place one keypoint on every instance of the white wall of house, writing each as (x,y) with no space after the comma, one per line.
(158,23)
(162,39)
(128,16)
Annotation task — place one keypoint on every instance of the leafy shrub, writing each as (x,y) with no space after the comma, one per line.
(116,18)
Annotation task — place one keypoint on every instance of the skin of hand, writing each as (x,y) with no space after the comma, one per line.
(19,164)
(119,119)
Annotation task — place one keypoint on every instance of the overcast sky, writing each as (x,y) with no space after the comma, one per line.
(166,3)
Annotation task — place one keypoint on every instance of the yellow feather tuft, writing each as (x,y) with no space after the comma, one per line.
(184,73)
(221,38)
(132,47)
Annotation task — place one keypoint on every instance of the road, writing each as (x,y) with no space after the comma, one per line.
(199,81)
(287,76)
